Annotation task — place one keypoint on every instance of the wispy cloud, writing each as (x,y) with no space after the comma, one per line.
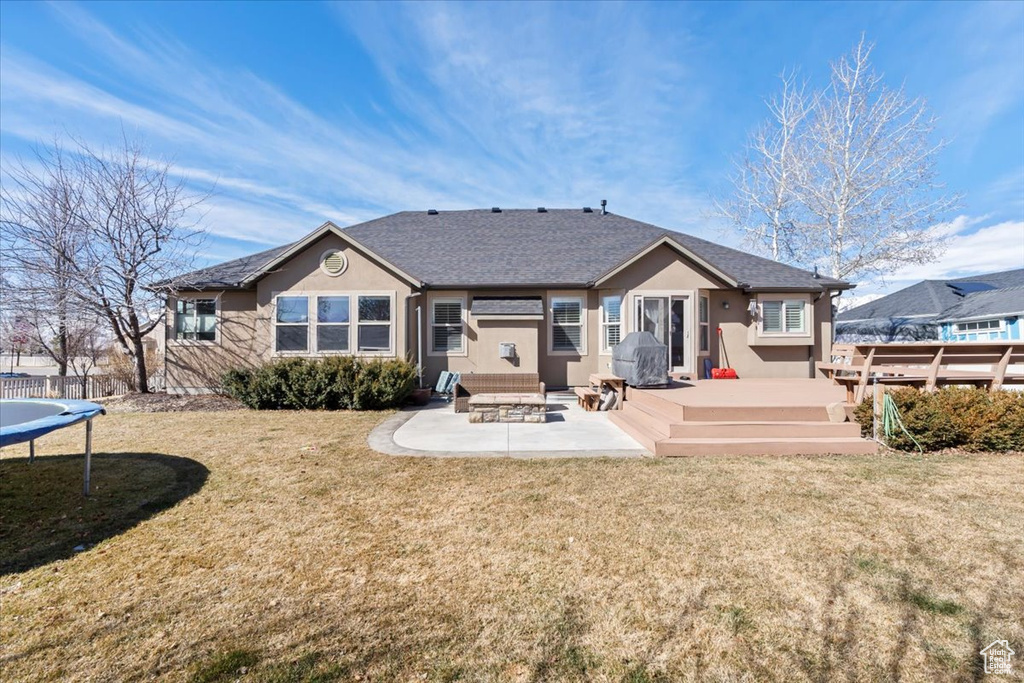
(524,117)
(975,246)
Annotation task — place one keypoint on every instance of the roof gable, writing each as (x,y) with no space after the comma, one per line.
(311,239)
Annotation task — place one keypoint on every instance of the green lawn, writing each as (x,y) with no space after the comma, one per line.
(276,546)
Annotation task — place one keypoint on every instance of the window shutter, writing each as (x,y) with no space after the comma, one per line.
(447,313)
(794,316)
(447,327)
(567,312)
(771,316)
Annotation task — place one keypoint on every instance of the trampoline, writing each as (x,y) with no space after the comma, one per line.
(28,419)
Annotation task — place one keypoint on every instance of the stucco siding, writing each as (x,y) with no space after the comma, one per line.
(194,366)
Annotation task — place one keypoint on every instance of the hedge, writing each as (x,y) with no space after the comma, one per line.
(955,417)
(332,383)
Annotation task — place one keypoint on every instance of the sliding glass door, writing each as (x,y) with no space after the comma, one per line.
(668,319)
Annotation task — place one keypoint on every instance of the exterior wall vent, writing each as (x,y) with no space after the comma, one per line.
(333,262)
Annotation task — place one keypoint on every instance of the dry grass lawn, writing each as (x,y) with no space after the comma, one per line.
(277,546)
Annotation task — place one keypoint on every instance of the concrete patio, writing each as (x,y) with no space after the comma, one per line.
(437,430)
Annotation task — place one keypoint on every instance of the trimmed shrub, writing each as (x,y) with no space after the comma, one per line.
(333,383)
(955,417)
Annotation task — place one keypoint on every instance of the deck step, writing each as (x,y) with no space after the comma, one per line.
(644,434)
(727,413)
(677,447)
(764,429)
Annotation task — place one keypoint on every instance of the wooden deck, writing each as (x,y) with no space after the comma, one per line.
(741,417)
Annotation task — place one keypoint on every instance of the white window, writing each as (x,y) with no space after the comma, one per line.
(567,325)
(703,321)
(196,320)
(332,323)
(784,316)
(993,325)
(611,322)
(446,325)
(374,326)
(291,324)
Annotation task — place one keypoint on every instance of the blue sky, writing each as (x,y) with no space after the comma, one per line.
(303,112)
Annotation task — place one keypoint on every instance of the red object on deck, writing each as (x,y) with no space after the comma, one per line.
(723,373)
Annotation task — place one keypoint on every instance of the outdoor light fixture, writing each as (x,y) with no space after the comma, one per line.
(725,305)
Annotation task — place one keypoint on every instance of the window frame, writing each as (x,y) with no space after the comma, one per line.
(582,300)
(359,324)
(316,324)
(312,323)
(703,326)
(784,302)
(463,349)
(606,324)
(1000,326)
(308,351)
(217,320)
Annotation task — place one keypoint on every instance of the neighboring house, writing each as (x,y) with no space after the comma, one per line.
(451,290)
(977,308)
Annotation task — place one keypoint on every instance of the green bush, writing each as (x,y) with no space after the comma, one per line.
(955,417)
(333,383)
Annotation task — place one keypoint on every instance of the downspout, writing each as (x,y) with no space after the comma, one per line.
(419,337)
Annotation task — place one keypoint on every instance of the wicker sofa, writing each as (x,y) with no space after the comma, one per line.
(495,383)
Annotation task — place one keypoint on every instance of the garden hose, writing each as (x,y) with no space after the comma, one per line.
(891,421)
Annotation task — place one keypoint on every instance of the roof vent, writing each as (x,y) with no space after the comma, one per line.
(431,212)
(333,262)
(541,209)
(604,207)
(495,209)
(587,209)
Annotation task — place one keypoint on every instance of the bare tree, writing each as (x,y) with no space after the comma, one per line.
(860,185)
(131,226)
(765,204)
(38,226)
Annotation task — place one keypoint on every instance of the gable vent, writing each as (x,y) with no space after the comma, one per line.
(431,212)
(333,262)
(495,209)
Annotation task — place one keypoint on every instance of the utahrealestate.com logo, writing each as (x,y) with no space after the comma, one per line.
(997,657)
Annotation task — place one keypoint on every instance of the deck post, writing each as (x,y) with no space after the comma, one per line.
(88,455)
(876,413)
(31,451)
(1004,361)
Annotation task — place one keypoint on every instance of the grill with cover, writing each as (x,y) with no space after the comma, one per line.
(641,360)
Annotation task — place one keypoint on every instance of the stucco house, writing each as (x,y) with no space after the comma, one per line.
(984,307)
(550,291)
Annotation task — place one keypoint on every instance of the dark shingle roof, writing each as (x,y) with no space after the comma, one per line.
(227,275)
(930,299)
(995,302)
(507,305)
(521,247)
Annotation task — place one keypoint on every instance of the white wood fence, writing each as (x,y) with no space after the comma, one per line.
(54,386)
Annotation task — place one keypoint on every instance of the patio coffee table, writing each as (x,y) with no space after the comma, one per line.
(508,408)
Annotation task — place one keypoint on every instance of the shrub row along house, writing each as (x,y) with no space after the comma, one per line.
(543,291)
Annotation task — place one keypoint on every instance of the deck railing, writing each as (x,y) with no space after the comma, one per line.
(928,365)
